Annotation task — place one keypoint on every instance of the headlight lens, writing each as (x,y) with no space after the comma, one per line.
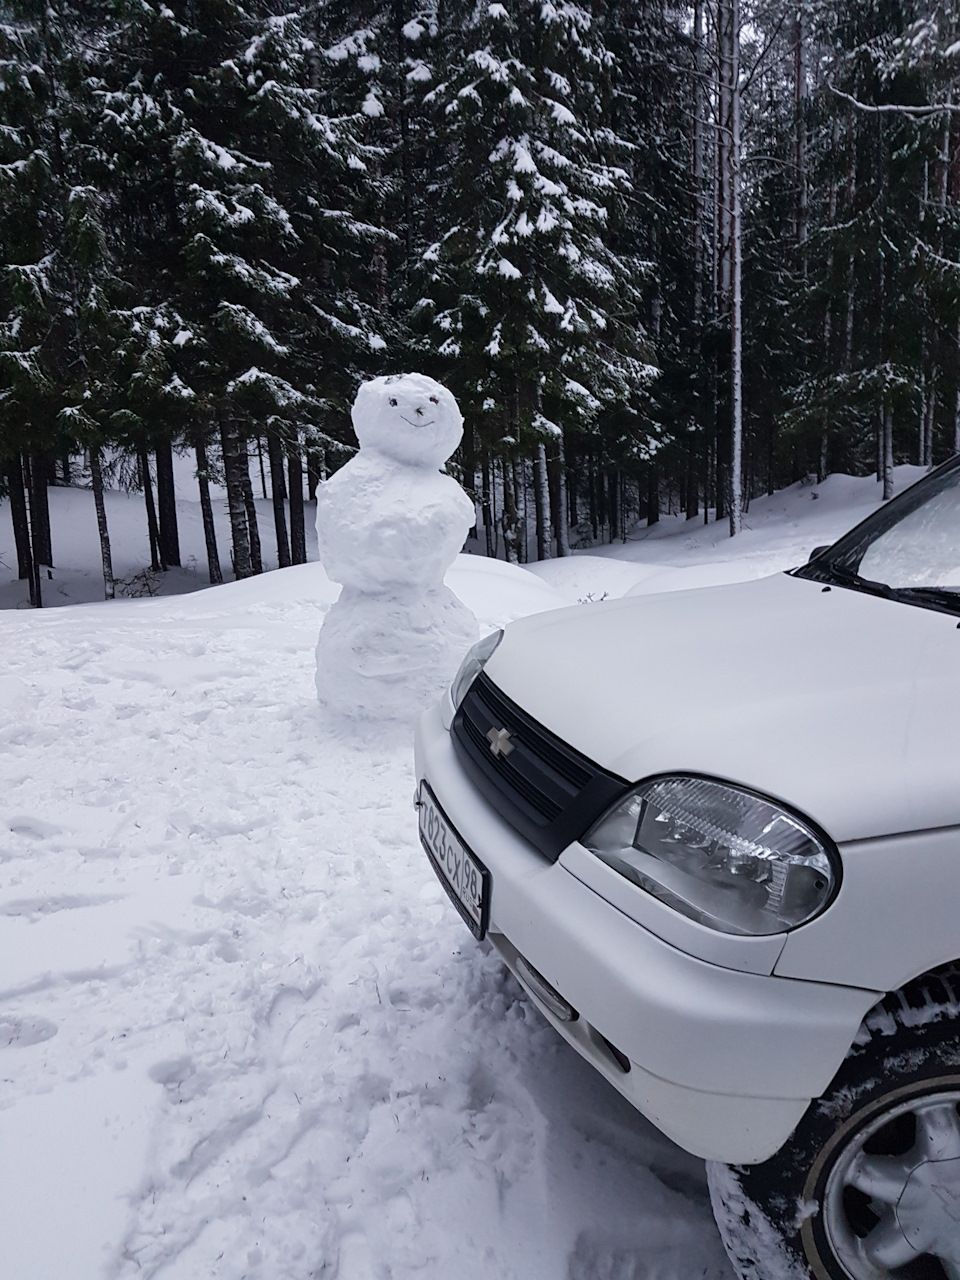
(724,857)
(474,662)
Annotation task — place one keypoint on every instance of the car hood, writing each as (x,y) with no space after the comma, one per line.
(843,705)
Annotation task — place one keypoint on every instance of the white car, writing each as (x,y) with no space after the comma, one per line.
(715,834)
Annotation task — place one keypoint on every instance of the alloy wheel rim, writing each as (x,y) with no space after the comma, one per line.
(893,1194)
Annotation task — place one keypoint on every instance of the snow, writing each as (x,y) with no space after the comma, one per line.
(242,1032)
(765,1258)
(372,106)
(779,532)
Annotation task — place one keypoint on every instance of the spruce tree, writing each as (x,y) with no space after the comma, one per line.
(526,309)
(59,327)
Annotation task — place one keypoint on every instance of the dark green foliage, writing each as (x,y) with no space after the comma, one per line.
(218,216)
(519,290)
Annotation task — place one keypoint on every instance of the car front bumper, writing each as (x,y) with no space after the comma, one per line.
(724,1062)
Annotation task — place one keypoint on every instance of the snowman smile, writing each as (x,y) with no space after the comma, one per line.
(416,424)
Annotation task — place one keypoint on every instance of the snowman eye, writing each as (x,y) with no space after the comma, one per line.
(393,402)
(434,400)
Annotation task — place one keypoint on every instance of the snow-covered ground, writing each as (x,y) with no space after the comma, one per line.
(242,1032)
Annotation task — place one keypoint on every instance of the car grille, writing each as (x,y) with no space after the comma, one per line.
(550,793)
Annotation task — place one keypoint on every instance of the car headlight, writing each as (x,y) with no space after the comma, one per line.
(719,854)
(471,666)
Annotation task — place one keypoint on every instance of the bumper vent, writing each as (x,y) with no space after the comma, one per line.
(550,793)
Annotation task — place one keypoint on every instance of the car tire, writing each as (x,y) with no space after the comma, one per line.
(868,1186)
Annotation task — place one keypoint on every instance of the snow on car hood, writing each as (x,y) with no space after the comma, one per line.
(844,705)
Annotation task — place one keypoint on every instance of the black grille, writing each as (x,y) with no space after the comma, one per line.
(544,788)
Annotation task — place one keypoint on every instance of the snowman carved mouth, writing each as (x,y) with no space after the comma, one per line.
(416,424)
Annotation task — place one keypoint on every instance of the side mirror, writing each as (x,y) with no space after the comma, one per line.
(818,551)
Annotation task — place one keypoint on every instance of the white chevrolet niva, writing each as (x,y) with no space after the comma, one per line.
(715,835)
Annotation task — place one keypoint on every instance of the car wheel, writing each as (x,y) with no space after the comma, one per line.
(868,1187)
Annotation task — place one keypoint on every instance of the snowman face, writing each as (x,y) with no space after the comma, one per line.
(408,417)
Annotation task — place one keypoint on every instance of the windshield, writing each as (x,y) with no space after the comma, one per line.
(907,551)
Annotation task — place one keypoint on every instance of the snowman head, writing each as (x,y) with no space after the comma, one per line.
(408,417)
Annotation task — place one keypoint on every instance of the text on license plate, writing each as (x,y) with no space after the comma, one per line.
(461,874)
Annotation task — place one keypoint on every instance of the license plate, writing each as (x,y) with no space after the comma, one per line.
(465,878)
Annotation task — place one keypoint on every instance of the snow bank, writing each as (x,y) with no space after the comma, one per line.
(779,532)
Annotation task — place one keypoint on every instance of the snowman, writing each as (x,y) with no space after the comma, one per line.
(389,525)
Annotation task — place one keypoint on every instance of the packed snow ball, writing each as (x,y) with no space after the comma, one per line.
(389,526)
(408,417)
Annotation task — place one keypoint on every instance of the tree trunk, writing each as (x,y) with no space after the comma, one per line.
(728,31)
(488,526)
(39,509)
(275,454)
(520,494)
(234,463)
(828,312)
(18,514)
(929,418)
(298,535)
(206,509)
(314,472)
(468,451)
(263,476)
(699,126)
(613,502)
(96,478)
(153,531)
(509,517)
(400,16)
(800,110)
(563,514)
(562,518)
(692,503)
(167,505)
(541,493)
(653,496)
(887,448)
(36,591)
(250,506)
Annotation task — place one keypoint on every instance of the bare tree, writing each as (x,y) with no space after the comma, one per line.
(96,477)
(731,234)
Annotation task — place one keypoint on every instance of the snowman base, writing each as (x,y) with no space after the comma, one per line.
(388,656)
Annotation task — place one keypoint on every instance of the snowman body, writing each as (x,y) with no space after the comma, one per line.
(389,525)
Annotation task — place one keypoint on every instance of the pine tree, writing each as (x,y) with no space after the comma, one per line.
(526,310)
(58,333)
(235,192)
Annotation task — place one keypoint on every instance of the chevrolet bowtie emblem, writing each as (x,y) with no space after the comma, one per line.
(500,743)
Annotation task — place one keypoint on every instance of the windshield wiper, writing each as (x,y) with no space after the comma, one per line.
(946,598)
(847,578)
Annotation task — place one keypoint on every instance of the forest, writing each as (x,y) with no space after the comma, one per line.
(668,257)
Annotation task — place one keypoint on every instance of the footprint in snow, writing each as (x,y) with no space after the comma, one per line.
(354,1262)
(596,1257)
(35,828)
(49,906)
(20,1032)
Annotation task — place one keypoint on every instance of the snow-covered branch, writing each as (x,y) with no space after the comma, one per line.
(897,108)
